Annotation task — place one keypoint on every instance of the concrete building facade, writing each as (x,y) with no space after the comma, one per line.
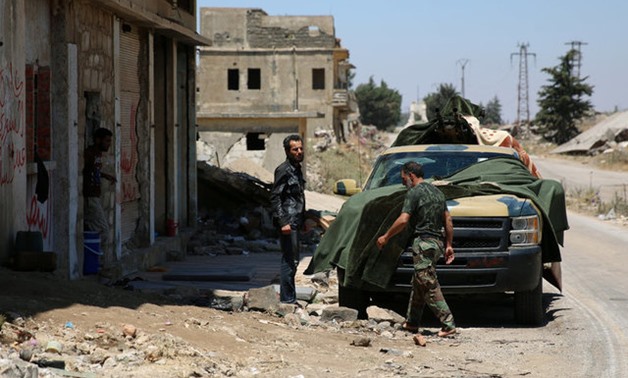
(266,75)
(68,67)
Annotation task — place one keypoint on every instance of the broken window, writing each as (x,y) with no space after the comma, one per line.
(255,142)
(313,31)
(255,78)
(233,79)
(318,78)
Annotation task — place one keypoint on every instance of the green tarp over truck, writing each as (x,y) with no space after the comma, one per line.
(349,243)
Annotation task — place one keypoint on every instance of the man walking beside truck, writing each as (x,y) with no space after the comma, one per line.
(425,211)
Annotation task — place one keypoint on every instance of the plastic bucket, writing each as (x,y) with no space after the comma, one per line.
(91,252)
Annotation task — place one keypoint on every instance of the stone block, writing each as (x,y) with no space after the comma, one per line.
(263,299)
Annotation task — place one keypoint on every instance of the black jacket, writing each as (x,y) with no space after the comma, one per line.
(287,197)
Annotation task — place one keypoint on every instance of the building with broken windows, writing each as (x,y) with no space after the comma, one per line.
(264,77)
(68,67)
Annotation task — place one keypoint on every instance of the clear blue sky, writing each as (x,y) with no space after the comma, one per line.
(416,45)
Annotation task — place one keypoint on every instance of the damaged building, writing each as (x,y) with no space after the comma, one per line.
(608,134)
(264,77)
(69,67)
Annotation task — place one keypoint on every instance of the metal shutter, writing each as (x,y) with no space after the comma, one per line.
(129,102)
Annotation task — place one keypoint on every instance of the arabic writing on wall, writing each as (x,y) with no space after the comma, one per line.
(12,149)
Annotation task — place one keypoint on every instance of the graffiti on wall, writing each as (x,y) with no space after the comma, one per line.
(37,216)
(12,149)
(129,159)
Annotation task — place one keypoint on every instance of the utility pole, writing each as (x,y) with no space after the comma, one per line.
(577,59)
(463,63)
(523,106)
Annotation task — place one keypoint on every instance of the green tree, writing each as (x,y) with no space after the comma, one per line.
(379,105)
(435,101)
(493,112)
(561,102)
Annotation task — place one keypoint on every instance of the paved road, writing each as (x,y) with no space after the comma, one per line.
(574,176)
(595,270)
(595,279)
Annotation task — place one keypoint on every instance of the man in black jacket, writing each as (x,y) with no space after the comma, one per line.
(288,203)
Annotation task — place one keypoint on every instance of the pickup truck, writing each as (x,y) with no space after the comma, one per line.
(508,222)
(496,237)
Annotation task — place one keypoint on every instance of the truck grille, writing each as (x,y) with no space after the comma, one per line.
(480,234)
(472,237)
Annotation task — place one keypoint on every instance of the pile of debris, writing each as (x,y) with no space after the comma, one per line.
(41,349)
(606,136)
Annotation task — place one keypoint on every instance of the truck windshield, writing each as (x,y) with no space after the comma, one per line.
(387,169)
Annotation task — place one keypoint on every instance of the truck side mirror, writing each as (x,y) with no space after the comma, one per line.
(346,187)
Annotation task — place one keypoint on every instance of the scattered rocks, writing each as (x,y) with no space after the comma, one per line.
(384,315)
(339,314)
(129,330)
(262,299)
(361,342)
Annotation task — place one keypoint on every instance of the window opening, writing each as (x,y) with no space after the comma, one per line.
(254,78)
(255,142)
(233,79)
(318,78)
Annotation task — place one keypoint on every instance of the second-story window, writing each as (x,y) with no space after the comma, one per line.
(318,78)
(254,80)
(233,79)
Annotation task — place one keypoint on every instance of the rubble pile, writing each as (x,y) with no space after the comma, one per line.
(48,349)
(31,349)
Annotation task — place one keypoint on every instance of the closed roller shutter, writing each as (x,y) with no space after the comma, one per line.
(129,102)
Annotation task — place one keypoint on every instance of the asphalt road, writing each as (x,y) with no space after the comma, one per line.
(595,279)
(575,176)
(595,270)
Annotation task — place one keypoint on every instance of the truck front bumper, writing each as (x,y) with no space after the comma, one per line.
(518,269)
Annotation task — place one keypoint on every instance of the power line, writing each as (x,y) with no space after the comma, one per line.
(523,105)
(463,63)
(577,58)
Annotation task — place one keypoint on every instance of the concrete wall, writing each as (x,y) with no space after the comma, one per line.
(225,26)
(286,83)
(39,135)
(243,28)
(58,83)
(284,48)
(12,125)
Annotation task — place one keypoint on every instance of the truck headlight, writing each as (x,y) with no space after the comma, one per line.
(525,230)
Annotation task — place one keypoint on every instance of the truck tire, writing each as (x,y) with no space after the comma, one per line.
(352,297)
(529,306)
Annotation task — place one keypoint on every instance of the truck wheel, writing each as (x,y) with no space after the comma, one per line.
(529,305)
(352,297)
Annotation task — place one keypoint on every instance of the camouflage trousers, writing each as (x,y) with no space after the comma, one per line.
(425,287)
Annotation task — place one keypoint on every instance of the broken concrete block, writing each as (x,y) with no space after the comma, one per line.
(383,315)
(339,314)
(304,293)
(262,299)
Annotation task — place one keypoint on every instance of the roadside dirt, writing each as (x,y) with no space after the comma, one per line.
(176,339)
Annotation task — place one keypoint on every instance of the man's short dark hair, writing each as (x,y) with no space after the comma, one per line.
(414,168)
(290,138)
(102,132)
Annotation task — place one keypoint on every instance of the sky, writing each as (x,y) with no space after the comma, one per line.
(416,45)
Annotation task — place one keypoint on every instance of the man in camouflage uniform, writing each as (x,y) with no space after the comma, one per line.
(288,202)
(425,211)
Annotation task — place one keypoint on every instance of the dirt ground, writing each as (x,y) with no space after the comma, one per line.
(176,339)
